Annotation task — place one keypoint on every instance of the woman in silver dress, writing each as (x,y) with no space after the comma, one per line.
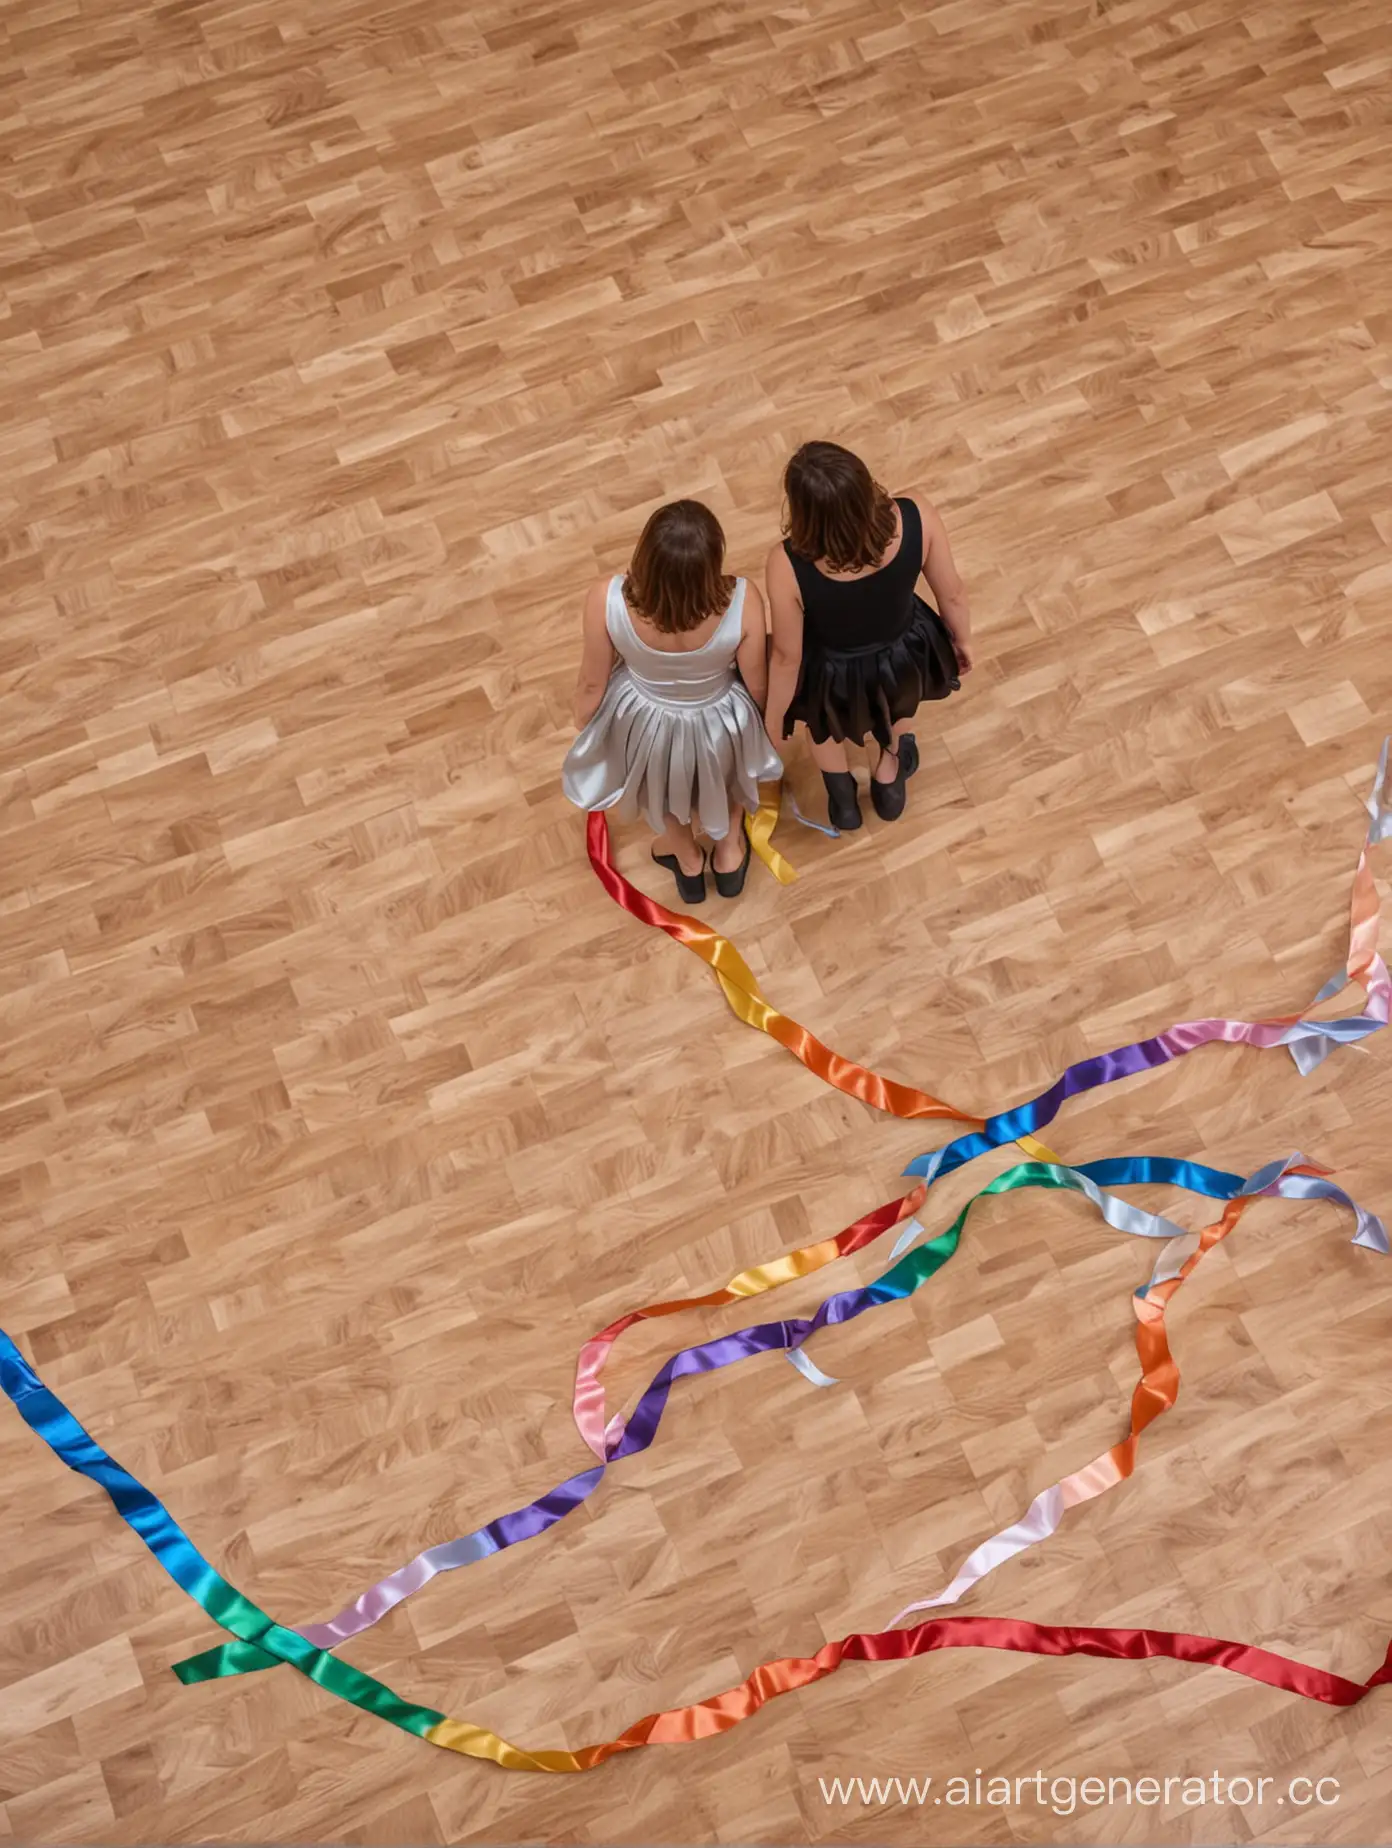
(672,684)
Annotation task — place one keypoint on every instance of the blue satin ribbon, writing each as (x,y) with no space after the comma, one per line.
(142,1511)
(820,827)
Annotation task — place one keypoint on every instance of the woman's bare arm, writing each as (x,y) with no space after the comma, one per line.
(945,582)
(785,612)
(597,655)
(752,658)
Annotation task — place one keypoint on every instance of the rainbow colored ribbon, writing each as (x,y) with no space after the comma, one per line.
(626,1438)
(147,1516)
(1158,1388)
(151,1520)
(1309,1041)
(747,1000)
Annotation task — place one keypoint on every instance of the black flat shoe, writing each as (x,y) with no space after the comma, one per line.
(730,885)
(843,805)
(908,752)
(691,887)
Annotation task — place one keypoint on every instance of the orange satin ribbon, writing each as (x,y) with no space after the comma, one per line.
(1157,1391)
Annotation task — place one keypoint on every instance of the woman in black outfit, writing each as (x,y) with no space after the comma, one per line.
(855,648)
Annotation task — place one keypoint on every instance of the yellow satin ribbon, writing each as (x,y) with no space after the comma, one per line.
(760,826)
(477,1742)
(1037,1151)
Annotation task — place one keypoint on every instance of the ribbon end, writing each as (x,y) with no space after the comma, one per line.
(1372,1235)
(810,1371)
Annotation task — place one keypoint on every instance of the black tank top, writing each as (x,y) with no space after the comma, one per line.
(845,615)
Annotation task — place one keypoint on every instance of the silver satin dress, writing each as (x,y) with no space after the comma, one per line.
(676,732)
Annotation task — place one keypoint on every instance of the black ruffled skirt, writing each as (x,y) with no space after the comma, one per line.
(858,693)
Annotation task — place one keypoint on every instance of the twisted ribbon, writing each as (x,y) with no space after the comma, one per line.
(260,1641)
(589,1404)
(51,1420)
(624,1440)
(747,1000)
(1157,1390)
(1309,1041)
(760,826)
(628,1438)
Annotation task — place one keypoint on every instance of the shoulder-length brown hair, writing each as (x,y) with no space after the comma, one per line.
(677,577)
(836,508)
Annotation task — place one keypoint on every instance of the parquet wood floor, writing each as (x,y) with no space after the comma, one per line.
(342,343)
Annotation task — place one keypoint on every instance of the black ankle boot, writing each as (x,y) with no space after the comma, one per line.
(843,806)
(889,798)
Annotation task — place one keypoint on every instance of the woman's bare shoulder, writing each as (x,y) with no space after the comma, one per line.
(596,611)
(924,502)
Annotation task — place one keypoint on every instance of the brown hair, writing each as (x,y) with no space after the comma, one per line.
(676,578)
(836,508)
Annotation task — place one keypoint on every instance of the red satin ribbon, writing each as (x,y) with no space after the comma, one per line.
(681,1725)
(744,996)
